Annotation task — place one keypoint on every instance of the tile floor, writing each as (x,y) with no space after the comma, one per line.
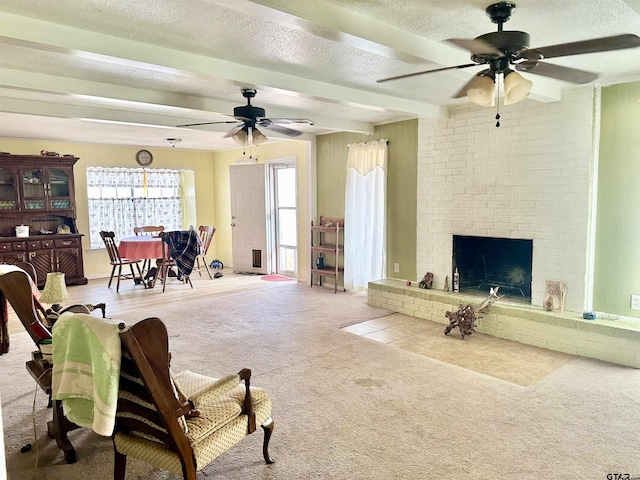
(504,359)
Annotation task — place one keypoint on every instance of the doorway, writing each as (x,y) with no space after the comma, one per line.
(249,218)
(283,195)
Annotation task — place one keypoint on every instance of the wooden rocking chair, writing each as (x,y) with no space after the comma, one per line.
(179,423)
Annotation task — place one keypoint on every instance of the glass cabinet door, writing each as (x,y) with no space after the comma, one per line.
(34,189)
(59,189)
(8,191)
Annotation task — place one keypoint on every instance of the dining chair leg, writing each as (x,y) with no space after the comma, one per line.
(204,260)
(198,266)
(111,277)
(133,275)
(119,275)
(165,274)
(141,277)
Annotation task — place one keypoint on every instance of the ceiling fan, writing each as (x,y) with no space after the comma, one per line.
(248,117)
(502,50)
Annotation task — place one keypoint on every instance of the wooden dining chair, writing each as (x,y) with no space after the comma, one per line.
(206,235)
(109,239)
(169,260)
(148,230)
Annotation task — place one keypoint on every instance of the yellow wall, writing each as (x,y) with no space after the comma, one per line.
(96,262)
(302,152)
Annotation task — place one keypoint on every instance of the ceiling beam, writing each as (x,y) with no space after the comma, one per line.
(332,22)
(339,24)
(65,110)
(121,51)
(184,108)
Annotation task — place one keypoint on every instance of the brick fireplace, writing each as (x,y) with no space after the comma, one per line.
(529,179)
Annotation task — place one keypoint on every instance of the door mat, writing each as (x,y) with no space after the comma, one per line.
(273,277)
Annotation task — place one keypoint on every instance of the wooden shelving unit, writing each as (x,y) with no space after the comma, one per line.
(327,241)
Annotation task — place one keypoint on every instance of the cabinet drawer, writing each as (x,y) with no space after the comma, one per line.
(46,243)
(34,245)
(19,246)
(5,247)
(67,242)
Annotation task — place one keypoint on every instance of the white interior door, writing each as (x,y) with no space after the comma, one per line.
(248,218)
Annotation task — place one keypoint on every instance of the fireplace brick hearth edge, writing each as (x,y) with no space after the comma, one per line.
(615,341)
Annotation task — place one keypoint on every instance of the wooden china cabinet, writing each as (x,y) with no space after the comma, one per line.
(38,191)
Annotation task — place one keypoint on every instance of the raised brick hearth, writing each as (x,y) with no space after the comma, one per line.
(616,341)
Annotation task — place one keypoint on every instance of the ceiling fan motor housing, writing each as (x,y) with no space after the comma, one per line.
(249,111)
(508,42)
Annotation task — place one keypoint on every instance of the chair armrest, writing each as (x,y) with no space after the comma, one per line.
(247,407)
(77,308)
(216,389)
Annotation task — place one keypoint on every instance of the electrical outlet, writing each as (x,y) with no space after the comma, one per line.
(396,267)
(635,302)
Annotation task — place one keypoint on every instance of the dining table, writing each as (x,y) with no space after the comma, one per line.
(141,247)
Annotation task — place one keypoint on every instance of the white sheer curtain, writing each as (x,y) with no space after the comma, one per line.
(122,198)
(364,222)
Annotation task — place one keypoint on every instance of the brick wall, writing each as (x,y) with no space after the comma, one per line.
(531,178)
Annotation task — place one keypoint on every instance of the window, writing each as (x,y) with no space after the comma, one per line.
(123,198)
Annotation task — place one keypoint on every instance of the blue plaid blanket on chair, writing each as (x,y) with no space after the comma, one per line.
(183,247)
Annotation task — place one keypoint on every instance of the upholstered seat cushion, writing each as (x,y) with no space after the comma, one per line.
(219,426)
(219,410)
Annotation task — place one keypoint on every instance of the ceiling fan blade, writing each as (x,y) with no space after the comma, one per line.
(463,91)
(477,47)
(407,75)
(556,71)
(288,121)
(604,44)
(205,123)
(234,130)
(266,123)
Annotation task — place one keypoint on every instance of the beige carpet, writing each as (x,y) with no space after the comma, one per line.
(504,359)
(348,407)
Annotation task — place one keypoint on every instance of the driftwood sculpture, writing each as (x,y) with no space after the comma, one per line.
(427,281)
(465,317)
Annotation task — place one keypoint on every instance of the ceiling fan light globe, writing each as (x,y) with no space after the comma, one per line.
(241,138)
(481,92)
(258,137)
(516,88)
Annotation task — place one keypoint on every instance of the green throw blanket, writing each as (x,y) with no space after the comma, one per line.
(86,369)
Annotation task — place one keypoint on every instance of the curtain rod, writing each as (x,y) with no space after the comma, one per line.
(349,145)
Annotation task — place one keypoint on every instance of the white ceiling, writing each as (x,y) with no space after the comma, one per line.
(127,72)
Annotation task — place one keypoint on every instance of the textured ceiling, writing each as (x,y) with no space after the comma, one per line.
(123,72)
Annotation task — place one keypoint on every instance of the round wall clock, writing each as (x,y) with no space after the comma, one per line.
(144,157)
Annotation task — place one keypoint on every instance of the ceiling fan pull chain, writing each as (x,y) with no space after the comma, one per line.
(498,102)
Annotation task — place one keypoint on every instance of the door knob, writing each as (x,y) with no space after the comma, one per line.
(233,224)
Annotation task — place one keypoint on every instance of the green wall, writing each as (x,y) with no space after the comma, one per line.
(402,172)
(617,246)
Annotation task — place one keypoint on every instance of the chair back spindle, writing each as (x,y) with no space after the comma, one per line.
(206,235)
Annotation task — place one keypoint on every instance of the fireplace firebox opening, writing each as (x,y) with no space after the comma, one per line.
(485,262)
